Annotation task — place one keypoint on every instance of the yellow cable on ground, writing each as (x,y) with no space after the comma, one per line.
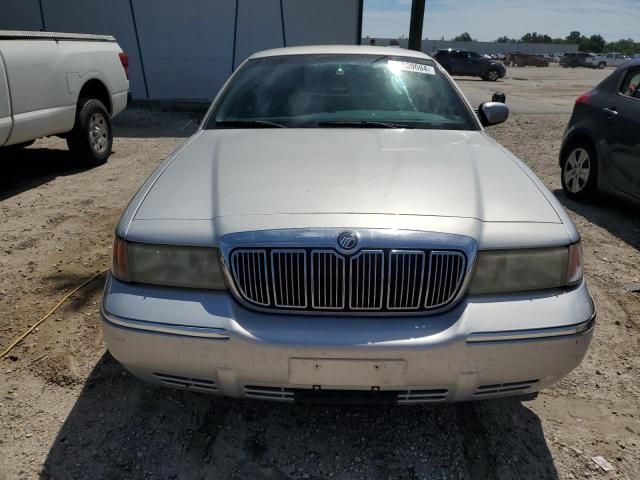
(35,325)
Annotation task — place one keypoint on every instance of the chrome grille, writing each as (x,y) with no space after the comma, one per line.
(289,278)
(446,273)
(327,280)
(250,274)
(406,275)
(366,275)
(298,279)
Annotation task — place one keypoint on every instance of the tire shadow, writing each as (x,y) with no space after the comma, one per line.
(31,167)
(121,427)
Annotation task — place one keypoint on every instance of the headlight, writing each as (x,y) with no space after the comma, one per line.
(169,265)
(503,271)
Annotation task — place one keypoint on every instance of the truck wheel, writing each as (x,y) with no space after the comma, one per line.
(579,171)
(492,75)
(601,65)
(91,138)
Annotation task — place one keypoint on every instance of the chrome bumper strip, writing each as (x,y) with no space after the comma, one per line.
(532,334)
(183,330)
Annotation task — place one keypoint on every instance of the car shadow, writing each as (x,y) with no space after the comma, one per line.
(31,167)
(619,218)
(121,427)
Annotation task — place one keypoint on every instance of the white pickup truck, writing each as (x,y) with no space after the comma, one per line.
(612,59)
(69,85)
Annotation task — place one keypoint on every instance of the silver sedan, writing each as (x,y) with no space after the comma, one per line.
(342,227)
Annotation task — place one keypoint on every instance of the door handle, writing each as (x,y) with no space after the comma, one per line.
(610,111)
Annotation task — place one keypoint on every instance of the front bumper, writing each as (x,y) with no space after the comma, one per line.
(484,347)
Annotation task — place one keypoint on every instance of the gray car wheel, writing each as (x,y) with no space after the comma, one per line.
(492,75)
(579,171)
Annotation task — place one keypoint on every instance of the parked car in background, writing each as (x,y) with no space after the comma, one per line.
(341,227)
(578,59)
(467,63)
(601,147)
(610,60)
(519,59)
(62,84)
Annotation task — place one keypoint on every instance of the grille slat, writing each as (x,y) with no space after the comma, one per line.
(365,294)
(446,273)
(407,269)
(366,281)
(249,268)
(289,278)
(327,295)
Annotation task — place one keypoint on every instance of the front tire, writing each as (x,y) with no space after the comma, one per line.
(492,75)
(91,138)
(601,65)
(579,171)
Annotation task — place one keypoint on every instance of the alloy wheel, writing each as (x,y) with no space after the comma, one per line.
(98,132)
(577,169)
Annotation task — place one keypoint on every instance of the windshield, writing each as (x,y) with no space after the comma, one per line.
(323,91)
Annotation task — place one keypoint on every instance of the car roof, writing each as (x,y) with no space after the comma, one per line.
(341,50)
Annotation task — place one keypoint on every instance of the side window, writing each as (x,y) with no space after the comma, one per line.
(459,55)
(631,84)
(473,55)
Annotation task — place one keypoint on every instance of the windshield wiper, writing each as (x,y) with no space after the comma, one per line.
(249,124)
(362,124)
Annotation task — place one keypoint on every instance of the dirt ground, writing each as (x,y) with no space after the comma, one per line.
(68,410)
(536,90)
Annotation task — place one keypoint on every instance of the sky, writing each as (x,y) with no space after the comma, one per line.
(487,20)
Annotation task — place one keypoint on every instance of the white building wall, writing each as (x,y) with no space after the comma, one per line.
(20,15)
(185,50)
(318,22)
(259,27)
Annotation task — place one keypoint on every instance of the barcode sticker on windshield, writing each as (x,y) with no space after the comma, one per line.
(411,67)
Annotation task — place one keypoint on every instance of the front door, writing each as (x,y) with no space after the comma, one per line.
(621,135)
(458,62)
(474,64)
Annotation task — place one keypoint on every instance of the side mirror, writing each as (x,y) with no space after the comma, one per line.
(492,113)
(499,97)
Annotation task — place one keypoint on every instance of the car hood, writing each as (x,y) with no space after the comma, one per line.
(444,173)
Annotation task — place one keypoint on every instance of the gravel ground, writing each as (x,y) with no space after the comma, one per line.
(68,410)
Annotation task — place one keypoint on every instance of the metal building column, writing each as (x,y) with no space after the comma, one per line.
(415,26)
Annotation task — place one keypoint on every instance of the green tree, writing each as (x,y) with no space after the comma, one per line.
(626,46)
(597,43)
(463,37)
(536,37)
(574,37)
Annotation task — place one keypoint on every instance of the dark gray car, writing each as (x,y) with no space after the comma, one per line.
(467,63)
(578,59)
(601,146)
